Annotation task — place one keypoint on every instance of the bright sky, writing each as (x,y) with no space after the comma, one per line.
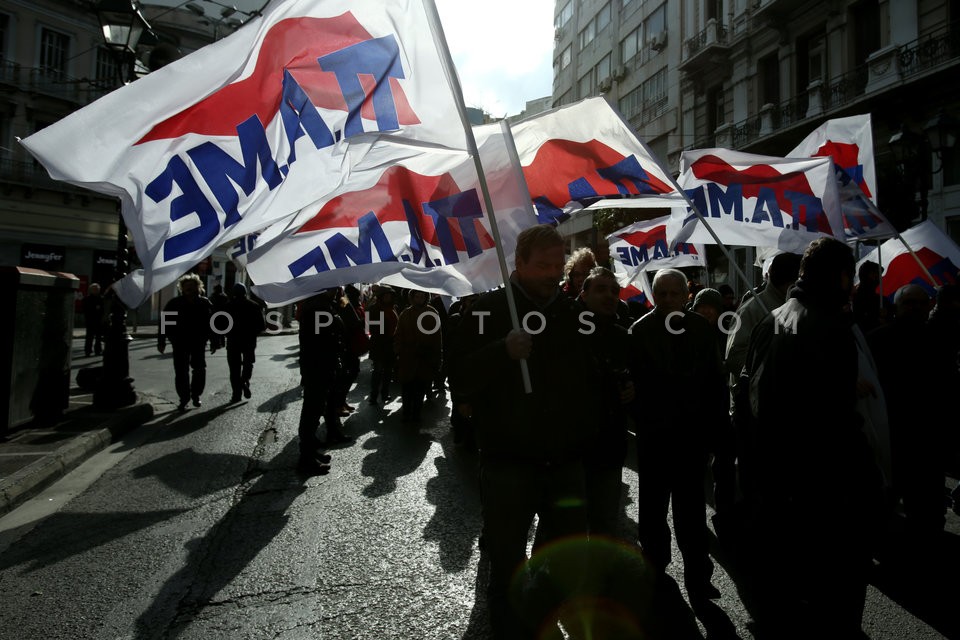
(503,49)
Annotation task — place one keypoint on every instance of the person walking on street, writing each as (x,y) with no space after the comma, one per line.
(531,444)
(219,300)
(381,319)
(246,324)
(185,321)
(674,352)
(819,491)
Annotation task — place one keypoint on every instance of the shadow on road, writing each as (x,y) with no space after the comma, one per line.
(260,513)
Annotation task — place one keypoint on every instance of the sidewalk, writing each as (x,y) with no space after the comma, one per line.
(32,457)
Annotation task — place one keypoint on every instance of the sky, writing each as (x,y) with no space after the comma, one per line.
(502,49)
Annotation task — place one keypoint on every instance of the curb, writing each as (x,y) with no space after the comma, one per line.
(34,478)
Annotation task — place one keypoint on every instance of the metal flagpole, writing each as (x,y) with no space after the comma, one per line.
(441,42)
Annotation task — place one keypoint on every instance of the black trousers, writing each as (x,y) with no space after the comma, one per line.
(240,360)
(189,358)
(93,340)
(669,468)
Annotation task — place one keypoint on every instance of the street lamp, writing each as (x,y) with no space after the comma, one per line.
(122,24)
(912,152)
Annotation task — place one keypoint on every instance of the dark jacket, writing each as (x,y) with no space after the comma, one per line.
(187,322)
(808,441)
(321,348)
(247,323)
(553,422)
(678,377)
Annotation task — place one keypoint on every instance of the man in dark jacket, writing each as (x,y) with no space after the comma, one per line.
(246,324)
(674,353)
(531,444)
(818,488)
(186,322)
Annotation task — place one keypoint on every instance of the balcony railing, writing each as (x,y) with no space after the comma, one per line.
(51,82)
(700,41)
(922,55)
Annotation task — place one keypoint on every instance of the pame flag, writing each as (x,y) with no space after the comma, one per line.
(753,200)
(935,249)
(577,155)
(849,143)
(247,131)
(408,216)
(642,247)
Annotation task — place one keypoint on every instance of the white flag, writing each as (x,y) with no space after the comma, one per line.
(249,130)
(849,143)
(407,216)
(758,201)
(935,249)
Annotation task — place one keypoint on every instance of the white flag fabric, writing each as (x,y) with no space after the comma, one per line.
(569,157)
(642,246)
(758,201)
(580,154)
(849,142)
(935,249)
(250,129)
(408,217)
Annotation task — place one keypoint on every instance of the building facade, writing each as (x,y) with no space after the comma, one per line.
(759,75)
(52,62)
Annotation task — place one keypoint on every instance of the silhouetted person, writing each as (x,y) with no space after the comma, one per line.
(673,353)
(819,490)
(531,444)
(185,321)
(219,300)
(247,324)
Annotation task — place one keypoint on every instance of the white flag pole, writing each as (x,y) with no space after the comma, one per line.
(433,18)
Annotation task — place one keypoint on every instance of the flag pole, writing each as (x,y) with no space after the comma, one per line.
(447,60)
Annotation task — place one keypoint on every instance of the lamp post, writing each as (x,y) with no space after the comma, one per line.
(121,24)
(913,153)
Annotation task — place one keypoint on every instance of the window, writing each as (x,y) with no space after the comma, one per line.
(585,86)
(108,71)
(656,21)
(603,17)
(630,104)
(565,14)
(54,49)
(588,34)
(630,45)
(654,95)
(4,34)
(565,58)
(603,68)
(769,79)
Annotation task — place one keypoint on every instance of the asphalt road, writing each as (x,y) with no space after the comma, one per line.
(196,526)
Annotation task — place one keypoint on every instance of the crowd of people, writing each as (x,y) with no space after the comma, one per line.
(793,412)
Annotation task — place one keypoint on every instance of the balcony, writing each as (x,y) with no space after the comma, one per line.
(890,68)
(52,83)
(776,9)
(708,51)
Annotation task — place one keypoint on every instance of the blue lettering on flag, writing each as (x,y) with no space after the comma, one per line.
(729,201)
(190,201)
(380,58)
(627,170)
(767,208)
(300,116)
(221,171)
(805,204)
(465,207)
(343,252)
